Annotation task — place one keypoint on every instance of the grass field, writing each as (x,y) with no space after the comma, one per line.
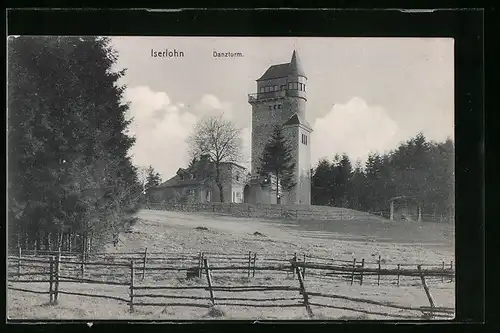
(162,231)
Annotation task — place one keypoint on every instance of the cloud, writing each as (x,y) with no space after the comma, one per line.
(210,105)
(162,126)
(354,128)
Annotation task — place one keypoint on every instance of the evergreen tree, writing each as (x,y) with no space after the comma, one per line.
(321,184)
(277,160)
(153,178)
(67,158)
(356,190)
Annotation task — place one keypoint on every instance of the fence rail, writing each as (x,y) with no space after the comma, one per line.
(301,267)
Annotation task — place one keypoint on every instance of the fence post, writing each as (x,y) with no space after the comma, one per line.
(19,263)
(378,278)
(200,264)
(249,262)
(426,288)
(362,269)
(132,274)
(451,268)
(442,277)
(304,268)
(254,263)
(144,264)
(353,269)
(399,267)
(82,268)
(51,279)
(294,261)
(209,280)
(56,285)
(303,291)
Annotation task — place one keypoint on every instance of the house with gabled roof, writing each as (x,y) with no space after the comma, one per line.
(196,184)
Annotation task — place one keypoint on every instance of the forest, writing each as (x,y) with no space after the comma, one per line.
(417,168)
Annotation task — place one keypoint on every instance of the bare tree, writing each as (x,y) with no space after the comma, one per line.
(220,140)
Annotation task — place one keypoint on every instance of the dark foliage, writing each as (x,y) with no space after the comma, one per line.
(418,168)
(69,177)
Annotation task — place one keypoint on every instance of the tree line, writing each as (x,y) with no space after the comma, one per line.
(417,168)
(70,180)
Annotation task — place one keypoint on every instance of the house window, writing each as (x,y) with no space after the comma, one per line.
(275,88)
(270,107)
(290,86)
(283,87)
(279,106)
(208,195)
(237,177)
(234,196)
(295,85)
(262,89)
(304,139)
(274,106)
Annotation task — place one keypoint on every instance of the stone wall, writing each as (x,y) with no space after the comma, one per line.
(294,212)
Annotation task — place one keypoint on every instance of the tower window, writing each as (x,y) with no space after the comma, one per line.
(304,139)
(300,86)
(304,87)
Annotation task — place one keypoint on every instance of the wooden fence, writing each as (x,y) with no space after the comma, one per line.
(130,270)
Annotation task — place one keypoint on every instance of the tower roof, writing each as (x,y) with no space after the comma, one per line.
(296,119)
(294,67)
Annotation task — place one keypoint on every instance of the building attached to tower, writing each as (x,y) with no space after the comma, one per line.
(281,100)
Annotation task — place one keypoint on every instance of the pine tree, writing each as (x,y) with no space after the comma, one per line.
(68,163)
(322,183)
(277,160)
(153,178)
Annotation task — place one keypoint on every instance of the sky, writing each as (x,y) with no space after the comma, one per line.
(364,94)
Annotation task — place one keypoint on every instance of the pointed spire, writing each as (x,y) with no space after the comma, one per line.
(296,66)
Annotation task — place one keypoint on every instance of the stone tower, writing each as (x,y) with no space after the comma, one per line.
(281,100)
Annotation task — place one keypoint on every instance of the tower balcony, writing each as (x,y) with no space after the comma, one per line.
(265,96)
